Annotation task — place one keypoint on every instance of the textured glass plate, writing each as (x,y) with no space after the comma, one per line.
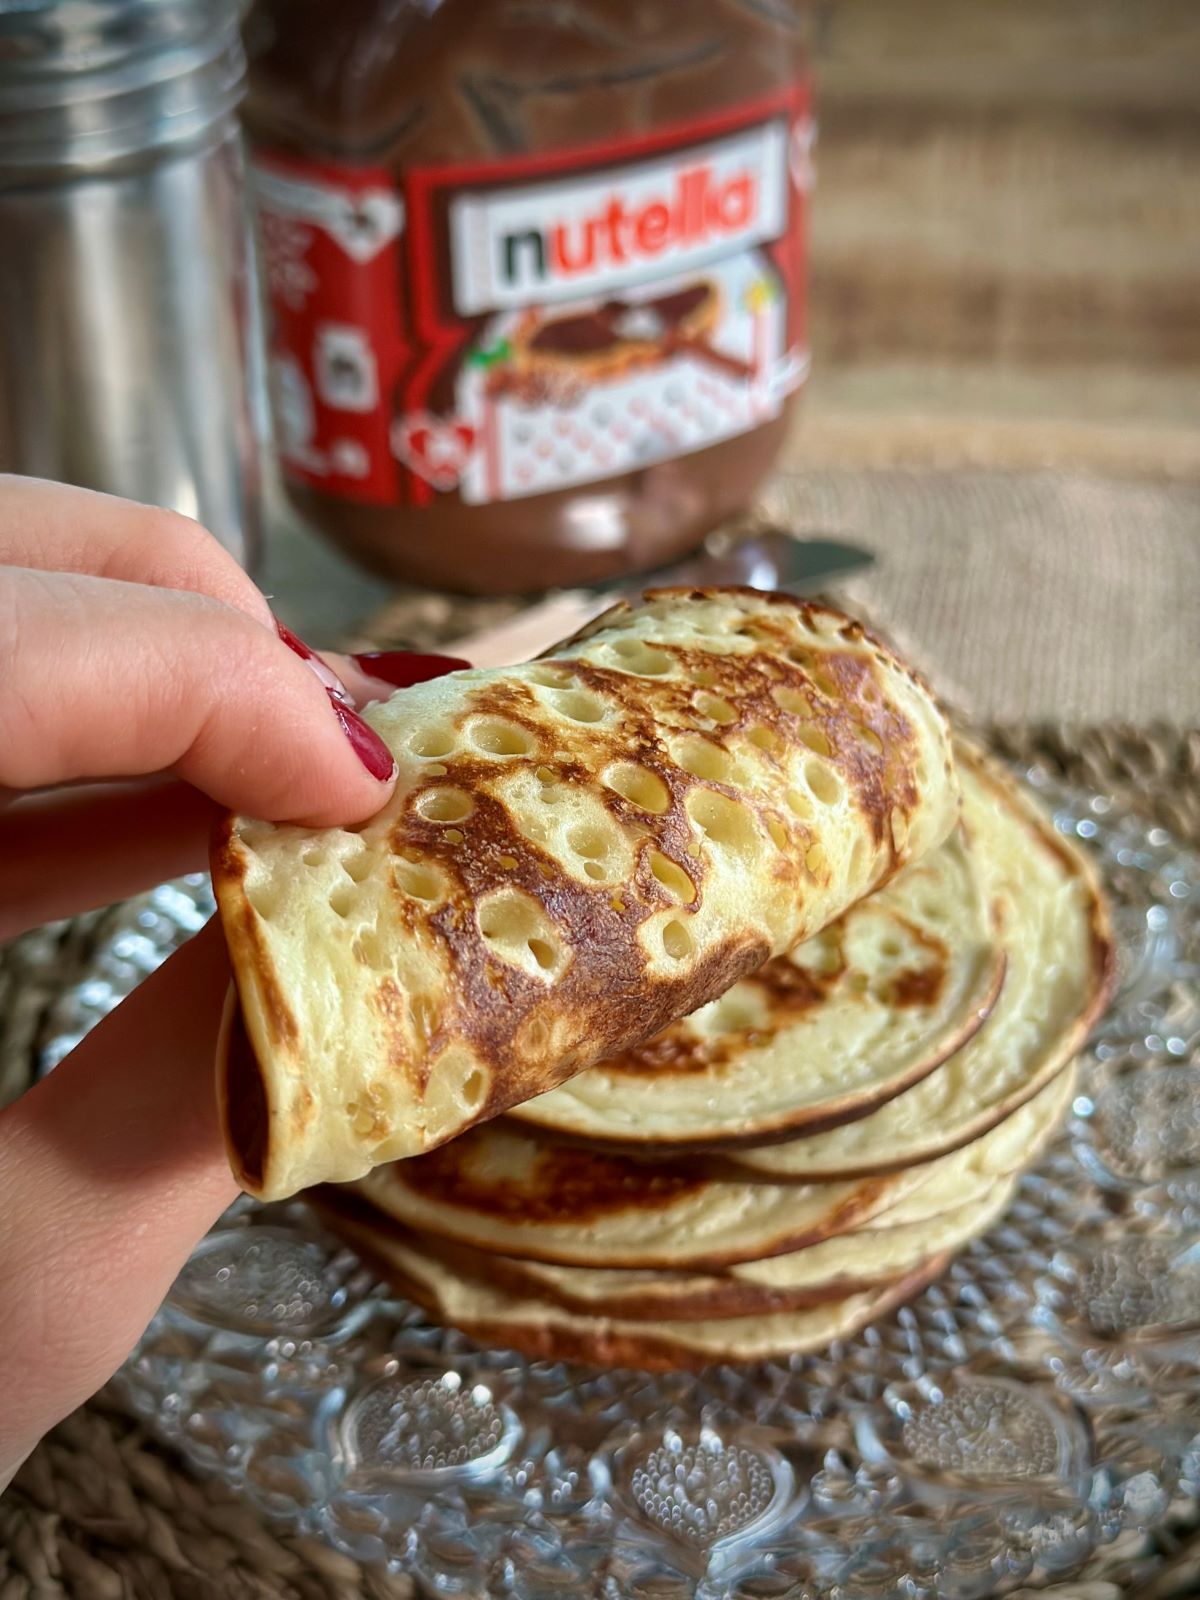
(1040,1400)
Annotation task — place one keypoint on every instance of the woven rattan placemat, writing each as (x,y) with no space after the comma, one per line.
(103,1512)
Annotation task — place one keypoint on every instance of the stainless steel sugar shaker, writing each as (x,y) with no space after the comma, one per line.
(129,329)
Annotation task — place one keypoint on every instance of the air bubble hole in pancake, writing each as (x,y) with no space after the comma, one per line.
(548,676)
(634,655)
(496,738)
(602,850)
(640,786)
(671,877)
(437,740)
(722,821)
(824,783)
(704,677)
(418,879)
(343,899)
(799,804)
(579,706)
(701,758)
(517,928)
(792,701)
(359,866)
(715,709)
(765,739)
(423,1011)
(445,805)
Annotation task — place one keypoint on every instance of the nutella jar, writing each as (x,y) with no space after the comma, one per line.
(534,273)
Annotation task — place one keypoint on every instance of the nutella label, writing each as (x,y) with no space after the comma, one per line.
(507,329)
(556,241)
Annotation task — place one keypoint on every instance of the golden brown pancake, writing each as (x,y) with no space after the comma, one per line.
(578,852)
(961,1196)
(817,1037)
(1058,978)
(502,1189)
(547,1332)
(506,1192)
(861,1262)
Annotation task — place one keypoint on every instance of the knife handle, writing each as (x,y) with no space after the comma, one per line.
(531,631)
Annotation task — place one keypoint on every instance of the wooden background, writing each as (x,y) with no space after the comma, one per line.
(1006,235)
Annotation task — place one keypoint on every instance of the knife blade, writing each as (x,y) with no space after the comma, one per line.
(768,560)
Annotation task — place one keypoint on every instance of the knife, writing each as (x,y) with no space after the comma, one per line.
(766,560)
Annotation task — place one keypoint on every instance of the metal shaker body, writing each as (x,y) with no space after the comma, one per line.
(129,334)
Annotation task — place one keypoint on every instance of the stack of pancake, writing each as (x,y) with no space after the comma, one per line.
(787,1160)
(795,1157)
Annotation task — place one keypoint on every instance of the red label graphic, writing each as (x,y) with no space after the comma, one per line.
(436,449)
(503,329)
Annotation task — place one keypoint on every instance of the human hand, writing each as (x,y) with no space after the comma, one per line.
(143,687)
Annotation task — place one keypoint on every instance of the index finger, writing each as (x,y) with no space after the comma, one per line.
(101,679)
(54,527)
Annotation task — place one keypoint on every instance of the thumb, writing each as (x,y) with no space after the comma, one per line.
(110,1170)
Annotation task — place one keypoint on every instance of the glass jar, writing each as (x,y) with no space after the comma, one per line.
(535,274)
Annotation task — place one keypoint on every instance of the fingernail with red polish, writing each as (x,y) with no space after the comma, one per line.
(402,668)
(329,679)
(368,746)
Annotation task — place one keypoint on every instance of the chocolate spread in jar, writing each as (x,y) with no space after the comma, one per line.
(535,274)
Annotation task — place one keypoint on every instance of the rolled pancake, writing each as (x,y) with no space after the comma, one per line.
(861,1262)
(1058,977)
(578,852)
(817,1037)
(547,1332)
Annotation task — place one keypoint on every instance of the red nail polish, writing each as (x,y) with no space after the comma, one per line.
(329,679)
(293,643)
(368,746)
(403,668)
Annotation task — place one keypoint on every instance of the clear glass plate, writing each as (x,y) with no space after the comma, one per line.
(1037,1402)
